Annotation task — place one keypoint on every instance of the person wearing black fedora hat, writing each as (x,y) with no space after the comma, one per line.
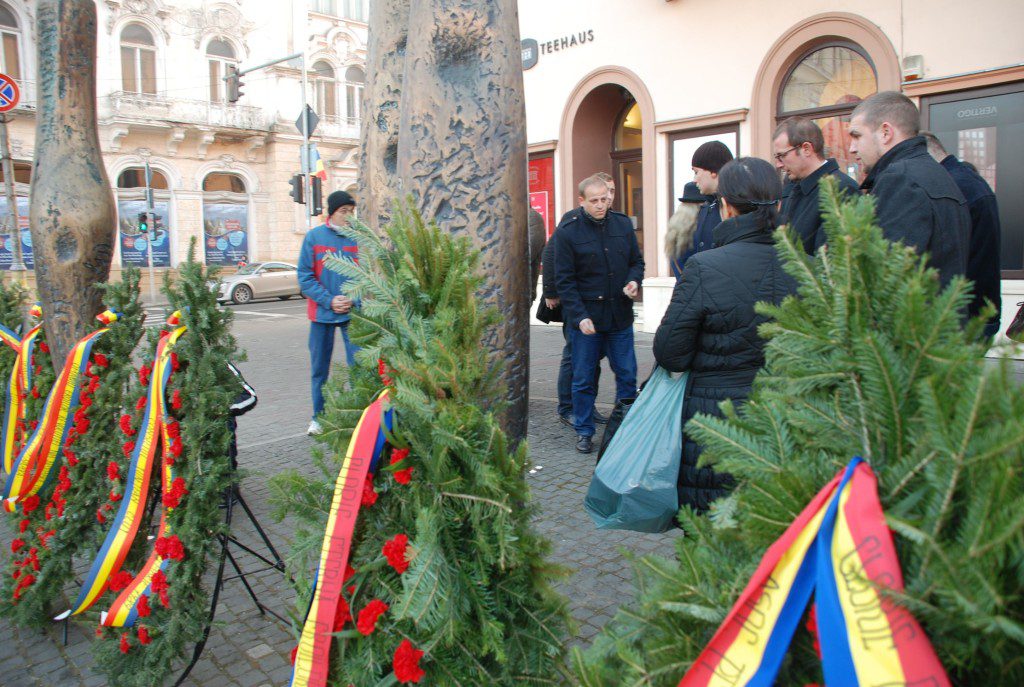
(682,226)
(327,307)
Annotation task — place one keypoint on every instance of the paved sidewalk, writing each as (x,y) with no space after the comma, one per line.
(249,650)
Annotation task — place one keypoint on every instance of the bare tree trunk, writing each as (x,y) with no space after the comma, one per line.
(462,154)
(72,208)
(385,68)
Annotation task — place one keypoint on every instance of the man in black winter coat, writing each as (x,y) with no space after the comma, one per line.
(598,271)
(800,152)
(983,252)
(916,201)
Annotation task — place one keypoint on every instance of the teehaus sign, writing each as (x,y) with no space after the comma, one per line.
(533,49)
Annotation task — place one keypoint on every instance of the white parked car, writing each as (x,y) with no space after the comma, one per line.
(260,280)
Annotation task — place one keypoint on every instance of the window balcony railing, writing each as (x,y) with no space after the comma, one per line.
(28,99)
(146,106)
(336,126)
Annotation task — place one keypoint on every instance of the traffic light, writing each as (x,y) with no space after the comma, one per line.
(317,205)
(233,79)
(296,192)
(143,223)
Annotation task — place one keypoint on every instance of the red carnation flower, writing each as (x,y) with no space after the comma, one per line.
(141,403)
(173,496)
(176,447)
(35,423)
(124,646)
(176,399)
(126,425)
(397,456)
(174,362)
(382,370)
(72,458)
(114,496)
(159,585)
(349,572)
(170,548)
(144,373)
(127,448)
(82,426)
(35,392)
(367,621)
(144,635)
(122,579)
(30,503)
(142,607)
(369,494)
(394,551)
(100,360)
(342,615)
(99,516)
(173,429)
(406,663)
(17,545)
(94,384)
(44,347)
(85,401)
(23,525)
(113,471)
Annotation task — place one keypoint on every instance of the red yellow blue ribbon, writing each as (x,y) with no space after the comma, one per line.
(34,464)
(21,380)
(313,652)
(840,549)
(121,535)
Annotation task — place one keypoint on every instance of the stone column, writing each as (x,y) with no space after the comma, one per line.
(462,155)
(382,97)
(72,208)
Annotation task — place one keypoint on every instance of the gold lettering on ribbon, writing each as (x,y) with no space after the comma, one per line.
(735,672)
(754,618)
(862,595)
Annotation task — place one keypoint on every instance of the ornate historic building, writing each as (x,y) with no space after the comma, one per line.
(220,171)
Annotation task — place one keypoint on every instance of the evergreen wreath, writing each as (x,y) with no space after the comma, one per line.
(201,389)
(870,360)
(448,582)
(69,521)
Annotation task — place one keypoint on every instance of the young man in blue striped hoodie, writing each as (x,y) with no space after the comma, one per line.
(327,308)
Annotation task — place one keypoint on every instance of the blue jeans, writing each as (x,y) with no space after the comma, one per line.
(565,375)
(586,352)
(321,347)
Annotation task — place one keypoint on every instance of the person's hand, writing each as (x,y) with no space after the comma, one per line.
(631,290)
(552,303)
(341,304)
(587,327)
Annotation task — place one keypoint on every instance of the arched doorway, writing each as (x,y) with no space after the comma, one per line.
(603,130)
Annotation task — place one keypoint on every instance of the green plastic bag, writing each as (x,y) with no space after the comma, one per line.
(634,485)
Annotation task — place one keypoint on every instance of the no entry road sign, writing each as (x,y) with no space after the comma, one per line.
(9,93)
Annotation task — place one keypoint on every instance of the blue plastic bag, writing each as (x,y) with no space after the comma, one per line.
(634,485)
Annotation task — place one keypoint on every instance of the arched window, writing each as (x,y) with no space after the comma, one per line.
(134,243)
(219,55)
(629,130)
(355,77)
(138,60)
(10,60)
(325,90)
(825,84)
(225,219)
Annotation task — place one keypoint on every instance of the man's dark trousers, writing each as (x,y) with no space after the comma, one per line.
(321,346)
(565,375)
(586,353)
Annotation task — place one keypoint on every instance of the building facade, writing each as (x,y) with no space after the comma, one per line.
(632,87)
(220,170)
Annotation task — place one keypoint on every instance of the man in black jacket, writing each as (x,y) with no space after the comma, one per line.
(916,201)
(983,251)
(800,152)
(598,271)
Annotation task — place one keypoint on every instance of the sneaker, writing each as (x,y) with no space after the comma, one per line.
(566,420)
(584,444)
(314,428)
(599,418)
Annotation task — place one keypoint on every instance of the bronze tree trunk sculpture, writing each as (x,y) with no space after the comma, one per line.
(72,208)
(382,98)
(462,155)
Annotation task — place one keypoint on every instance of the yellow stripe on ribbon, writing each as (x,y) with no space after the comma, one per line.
(14,404)
(133,506)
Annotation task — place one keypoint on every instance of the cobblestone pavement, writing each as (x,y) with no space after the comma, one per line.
(247,649)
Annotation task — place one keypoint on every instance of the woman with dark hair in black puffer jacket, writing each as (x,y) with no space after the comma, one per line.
(710,327)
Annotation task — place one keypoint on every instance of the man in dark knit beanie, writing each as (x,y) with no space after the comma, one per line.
(707,160)
(327,307)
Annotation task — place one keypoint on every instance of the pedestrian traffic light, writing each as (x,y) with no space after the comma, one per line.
(316,193)
(143,223)
(233,80)
(296,192)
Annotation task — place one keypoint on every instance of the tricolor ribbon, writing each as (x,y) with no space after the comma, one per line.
(840,549)
(21,380)
(152,434)
(364,448)
(33,468)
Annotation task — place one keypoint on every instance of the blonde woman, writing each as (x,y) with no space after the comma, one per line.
(682,227)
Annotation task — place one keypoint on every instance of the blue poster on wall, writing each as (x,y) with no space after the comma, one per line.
(226,233)
(135,245)
(7,241)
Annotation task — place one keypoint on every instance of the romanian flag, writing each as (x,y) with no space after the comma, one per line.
(316,163)
(840,549)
